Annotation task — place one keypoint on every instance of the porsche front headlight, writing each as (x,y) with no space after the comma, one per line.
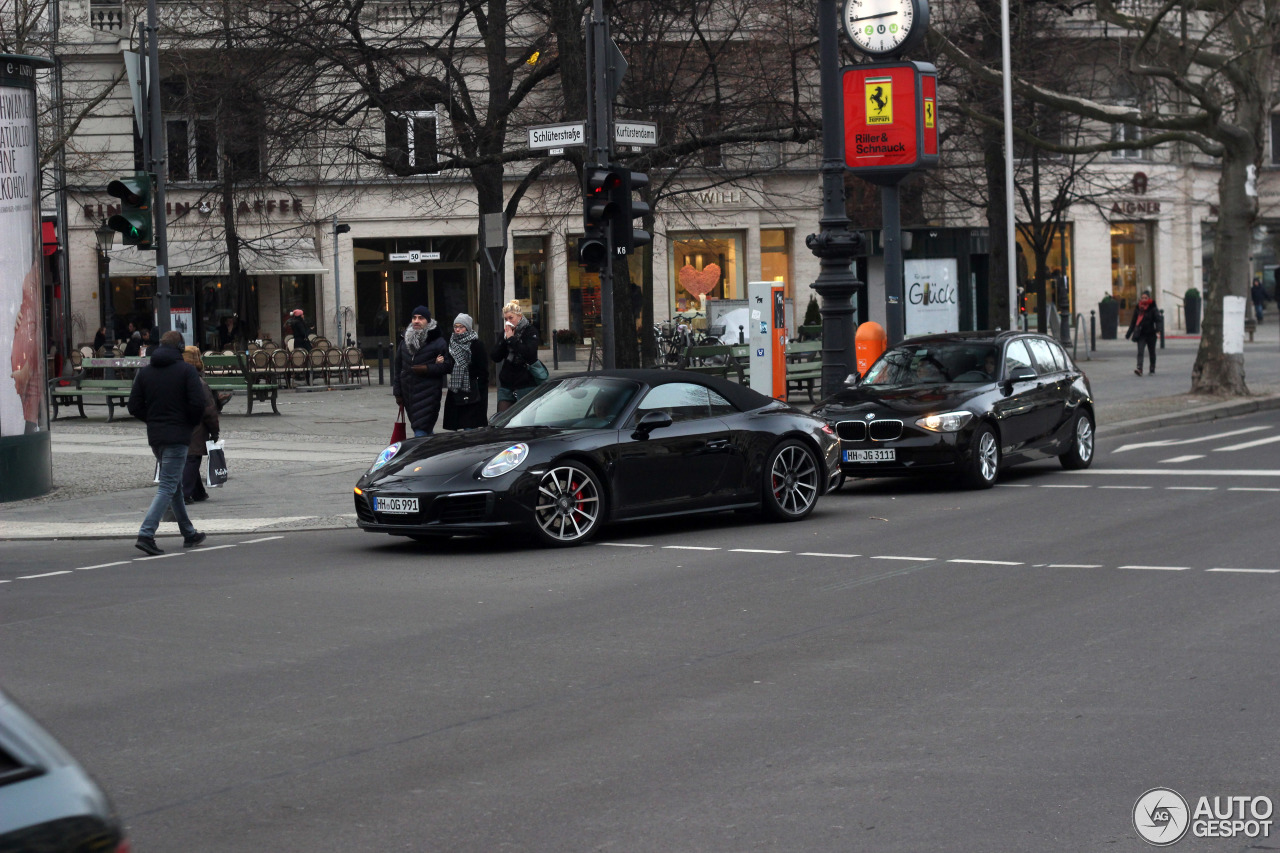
(384,457)
(506,461)
(947,422)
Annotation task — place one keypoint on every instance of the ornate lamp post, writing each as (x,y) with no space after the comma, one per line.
(106,239)
(835,245)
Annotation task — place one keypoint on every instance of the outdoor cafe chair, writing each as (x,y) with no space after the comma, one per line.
(318,370)
(355,364)
(280,366)
(298,365)
(334,363)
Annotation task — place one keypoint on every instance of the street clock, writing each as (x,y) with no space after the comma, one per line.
(884,28)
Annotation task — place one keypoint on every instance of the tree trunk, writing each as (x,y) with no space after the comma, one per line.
(1216,372)
(997,216)
(488,183)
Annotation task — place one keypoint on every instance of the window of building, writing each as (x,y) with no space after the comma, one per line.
(1125,93)
(412,141)
(1132,261)
(531,282)
(210,134)
(705,267)
(775,257)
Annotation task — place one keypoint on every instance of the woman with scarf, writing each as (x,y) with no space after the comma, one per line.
(466,406)
(516,349)
(1145,328)
(422,363)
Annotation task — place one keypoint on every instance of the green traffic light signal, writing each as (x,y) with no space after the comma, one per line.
(134,219)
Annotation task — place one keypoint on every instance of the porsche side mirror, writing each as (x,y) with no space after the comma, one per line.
(649,422)
(852,379)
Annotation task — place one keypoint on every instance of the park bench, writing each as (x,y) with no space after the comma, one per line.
(804,364)
(231,374)
(100,382)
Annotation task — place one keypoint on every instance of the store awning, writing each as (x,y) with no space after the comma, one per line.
(274,256)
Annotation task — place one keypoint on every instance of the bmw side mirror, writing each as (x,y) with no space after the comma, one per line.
(649,422)
(1018,374)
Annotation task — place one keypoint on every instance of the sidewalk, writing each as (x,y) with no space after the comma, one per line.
(296,471)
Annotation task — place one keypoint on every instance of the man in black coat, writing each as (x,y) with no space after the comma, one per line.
(168,397)
(423,362)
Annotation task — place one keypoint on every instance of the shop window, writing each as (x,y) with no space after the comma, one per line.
(298,291)
(704,268)
(775,257)
(584,290)
(1131,261)
(530,260)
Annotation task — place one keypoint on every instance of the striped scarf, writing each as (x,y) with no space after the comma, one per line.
(460,349)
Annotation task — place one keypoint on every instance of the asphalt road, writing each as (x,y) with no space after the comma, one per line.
(913,668)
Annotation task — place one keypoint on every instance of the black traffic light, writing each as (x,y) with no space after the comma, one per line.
(597,214)
(626,237)
(134,219)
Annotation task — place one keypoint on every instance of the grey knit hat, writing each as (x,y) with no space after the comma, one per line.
(465,319)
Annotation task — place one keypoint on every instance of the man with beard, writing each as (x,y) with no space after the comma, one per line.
(422,364)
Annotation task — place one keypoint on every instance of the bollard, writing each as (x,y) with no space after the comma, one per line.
(741,336)
(381,358)
(1160,314)
(1093,331)
(1064,328)
(555,351)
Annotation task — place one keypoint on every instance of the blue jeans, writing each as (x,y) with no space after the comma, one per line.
(173,458)
(419,433)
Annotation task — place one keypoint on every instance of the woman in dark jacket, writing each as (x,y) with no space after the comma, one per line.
(193,489)
(516,350)
(422,364)
(1145,328)
(466,406)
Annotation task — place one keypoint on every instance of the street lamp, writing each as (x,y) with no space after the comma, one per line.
(106,239)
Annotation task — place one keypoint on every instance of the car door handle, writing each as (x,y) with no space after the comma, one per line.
(718,444)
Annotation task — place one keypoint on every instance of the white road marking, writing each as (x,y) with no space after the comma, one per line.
(158,557)
(987,562)
(913,559)
(1124,487)
(1013,485)
(1251,489)
(1187,472)
(45,575)
(1065,486)
(689,548)
(756,551)
(1159,568)
(104,565)
(626,545)
(1074,566)
(264,539)
(1256,443)
(212,548)
(1168,442)
(1191,488)
(1176,459)
(1247,571)
(820,554)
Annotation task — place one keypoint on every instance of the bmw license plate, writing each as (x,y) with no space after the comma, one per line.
(870,456)
(398,506)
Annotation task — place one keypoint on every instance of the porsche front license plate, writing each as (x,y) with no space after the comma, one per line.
(870,456)
(395,505)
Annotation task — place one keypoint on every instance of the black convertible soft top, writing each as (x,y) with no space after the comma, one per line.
(741,396)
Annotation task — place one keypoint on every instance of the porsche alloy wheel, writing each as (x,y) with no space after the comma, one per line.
(569,505)
(792,482)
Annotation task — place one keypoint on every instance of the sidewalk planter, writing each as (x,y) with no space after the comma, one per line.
(1191,308)
(1108,319)
(566,345)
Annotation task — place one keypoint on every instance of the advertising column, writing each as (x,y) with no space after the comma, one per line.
(26,465)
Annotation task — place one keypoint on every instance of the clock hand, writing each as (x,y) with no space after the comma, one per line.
(872,17)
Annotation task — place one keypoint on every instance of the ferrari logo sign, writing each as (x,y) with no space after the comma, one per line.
(879,92)
(928,112)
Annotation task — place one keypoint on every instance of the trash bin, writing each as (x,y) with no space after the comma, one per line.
(1108,319)
(1191,308)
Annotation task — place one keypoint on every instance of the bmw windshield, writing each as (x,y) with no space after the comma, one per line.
(935,363)
(583,402)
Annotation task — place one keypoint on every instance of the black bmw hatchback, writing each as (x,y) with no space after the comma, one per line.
(967,403)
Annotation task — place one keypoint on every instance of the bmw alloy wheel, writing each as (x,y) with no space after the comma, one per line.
(988,456)
(568,505)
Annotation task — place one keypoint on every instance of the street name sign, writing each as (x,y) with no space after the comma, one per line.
(635,133)
(413,257)
(557,135)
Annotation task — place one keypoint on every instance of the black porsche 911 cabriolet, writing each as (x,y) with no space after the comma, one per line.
(590,448)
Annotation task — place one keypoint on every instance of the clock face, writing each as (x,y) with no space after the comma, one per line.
(880,27)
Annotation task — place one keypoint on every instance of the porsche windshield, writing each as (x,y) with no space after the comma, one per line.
(935,363)
(584,402)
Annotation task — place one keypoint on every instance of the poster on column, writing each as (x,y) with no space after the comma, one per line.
(22,390)
(932,305)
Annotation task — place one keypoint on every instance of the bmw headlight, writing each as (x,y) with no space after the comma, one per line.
(947,422)
(384,457)
(506,460)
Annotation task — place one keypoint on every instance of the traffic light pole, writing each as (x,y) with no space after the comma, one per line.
(158,167)
(599,127)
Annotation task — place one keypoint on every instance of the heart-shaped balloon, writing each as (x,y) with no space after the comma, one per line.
(699,282)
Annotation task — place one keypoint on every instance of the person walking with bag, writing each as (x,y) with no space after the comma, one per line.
(168,397)
(193,490)
(1144,328)
(517,350)
(466,406)
(422,364)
